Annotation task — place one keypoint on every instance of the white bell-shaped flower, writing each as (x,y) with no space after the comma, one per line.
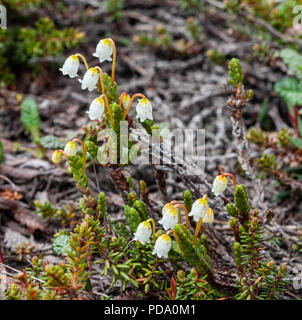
(90,80)
(219,185)
(209,216)
(162,246)
(70,149)
(96,109)
(199,208)
(125,101)
(143,232)
(170,218)
(71,66)
(144,110)
(167,207)
(57,156)
(104,50)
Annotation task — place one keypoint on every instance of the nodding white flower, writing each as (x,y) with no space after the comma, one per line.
(126,100)
(104,50)
(209,216)
(71,66)
(90,80)
(219,185)
(143,232)
(57,156)
(199,208)
(170,217)
(70,149)
(96,109)
(162,246)
(167,207)
(144,110)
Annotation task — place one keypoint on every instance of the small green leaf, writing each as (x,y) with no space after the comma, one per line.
(264,119)
(88,285)
(294,61)
(30,118)
(296,142)
(60,245)
(290,90)
(52,142)
(281,196)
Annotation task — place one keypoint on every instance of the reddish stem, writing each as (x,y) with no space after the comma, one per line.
(186,212)
(174,288)
(130,103)
(294,119)
(230,175)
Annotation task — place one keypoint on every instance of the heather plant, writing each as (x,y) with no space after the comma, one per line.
(140,251)
(279,14)
(162,40)
(115,9)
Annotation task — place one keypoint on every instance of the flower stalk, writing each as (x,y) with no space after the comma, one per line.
(186,212)
(177,239)
(107,107)
(113,60)
(101,79)
(130,103)
(198,226)
(83,59)
(227,174)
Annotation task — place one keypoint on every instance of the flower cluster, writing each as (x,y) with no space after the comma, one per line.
(171,216)
(104,51)
(100,107)
(201,210)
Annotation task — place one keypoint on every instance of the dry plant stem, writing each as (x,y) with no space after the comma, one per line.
(198,226)
(230,175)
(95,176)
(121,100)
(10,182)
(107,107)
(83,59)
(130,103)
(113,60)
(186,212)
(101,78)
(84,153)
(243,151)
(90,275)
(181,170)
(153,227)
(17,271)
